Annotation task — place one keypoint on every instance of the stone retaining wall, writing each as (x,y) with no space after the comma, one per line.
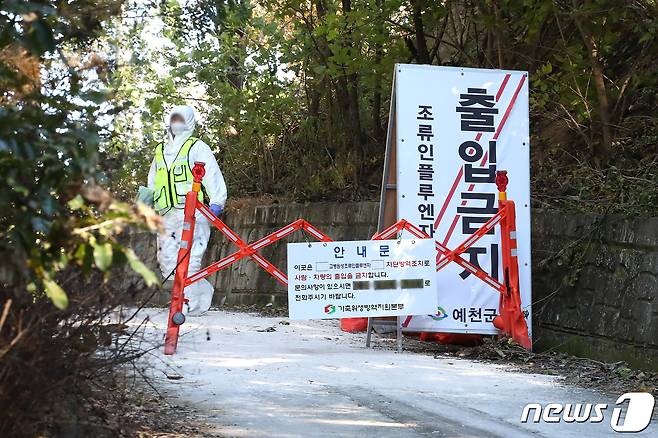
(595,286)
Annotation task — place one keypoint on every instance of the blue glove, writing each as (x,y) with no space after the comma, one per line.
(145,196)
(216,209)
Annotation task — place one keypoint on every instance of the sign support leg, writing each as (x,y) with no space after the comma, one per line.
(398,332)
(387,200)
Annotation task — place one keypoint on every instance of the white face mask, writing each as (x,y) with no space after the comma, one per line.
(177,128)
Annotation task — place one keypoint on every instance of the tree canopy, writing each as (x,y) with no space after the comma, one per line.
(295,94)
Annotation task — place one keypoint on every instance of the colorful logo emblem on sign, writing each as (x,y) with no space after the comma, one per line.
(440,314)
(329,309)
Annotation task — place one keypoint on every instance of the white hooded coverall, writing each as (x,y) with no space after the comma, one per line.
(200,293)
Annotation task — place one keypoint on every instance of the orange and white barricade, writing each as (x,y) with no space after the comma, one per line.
(510,320)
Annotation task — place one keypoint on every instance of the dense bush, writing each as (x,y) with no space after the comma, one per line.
(58,366)
(58,226)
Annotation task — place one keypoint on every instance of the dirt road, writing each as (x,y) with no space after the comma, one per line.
(254,376)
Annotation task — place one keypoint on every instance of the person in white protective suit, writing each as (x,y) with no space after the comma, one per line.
(170,179)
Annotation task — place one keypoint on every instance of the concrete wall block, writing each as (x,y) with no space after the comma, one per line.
(643,318)
(648,262)
(646,284)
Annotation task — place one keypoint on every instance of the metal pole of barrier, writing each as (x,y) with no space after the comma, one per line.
(510,319)
(176,316)
(250,250)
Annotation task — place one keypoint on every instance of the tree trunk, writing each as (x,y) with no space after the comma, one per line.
(499,37)
(378,131)
(600,150)
(422,53)
(351,84)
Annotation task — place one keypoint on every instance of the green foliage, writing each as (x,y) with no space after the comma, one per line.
(593,86)
(273,133)
(295,94)
(55,215)
(55,293)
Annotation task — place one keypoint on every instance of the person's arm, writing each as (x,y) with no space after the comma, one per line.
(150,182)
(145,194)
(213,181)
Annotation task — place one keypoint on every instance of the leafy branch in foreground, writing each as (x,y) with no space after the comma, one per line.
(56,214)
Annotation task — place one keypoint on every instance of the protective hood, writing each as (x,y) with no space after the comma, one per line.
(187,113)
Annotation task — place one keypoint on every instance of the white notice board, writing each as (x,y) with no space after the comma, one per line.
(363,278)
(454,128)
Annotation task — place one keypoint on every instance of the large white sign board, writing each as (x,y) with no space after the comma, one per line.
(454,127)
(364,278)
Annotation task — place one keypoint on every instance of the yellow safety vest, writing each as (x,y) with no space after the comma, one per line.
(172,183)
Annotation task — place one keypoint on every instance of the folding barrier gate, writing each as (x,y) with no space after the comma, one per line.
(510,319)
